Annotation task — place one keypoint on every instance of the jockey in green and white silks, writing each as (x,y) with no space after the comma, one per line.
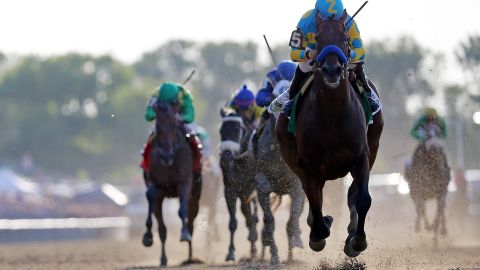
(304,51)
(429,116)
(172,92)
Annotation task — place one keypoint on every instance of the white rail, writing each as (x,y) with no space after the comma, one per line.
(65,223)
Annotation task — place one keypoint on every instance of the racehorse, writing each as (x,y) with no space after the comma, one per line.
(238,177)
(273,175)
(331,138)
(428,177)
(171,176)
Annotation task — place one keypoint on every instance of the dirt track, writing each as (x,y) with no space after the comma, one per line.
(392,245)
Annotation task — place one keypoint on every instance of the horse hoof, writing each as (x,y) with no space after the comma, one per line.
(230,257)
(186,237)
(349,251)
(317,246)
(359,244)
(163,262)
(147,239)
(274,261)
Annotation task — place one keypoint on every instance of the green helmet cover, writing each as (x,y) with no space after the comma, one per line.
(168,91)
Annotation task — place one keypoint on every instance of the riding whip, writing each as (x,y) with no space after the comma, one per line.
(270,50)
(351,18)
(189,77)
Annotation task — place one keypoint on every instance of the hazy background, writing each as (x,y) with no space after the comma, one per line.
(75,75)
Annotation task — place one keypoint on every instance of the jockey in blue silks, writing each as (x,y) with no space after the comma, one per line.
(304,51)
(283,74)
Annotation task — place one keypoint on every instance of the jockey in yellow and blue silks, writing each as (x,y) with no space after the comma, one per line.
(303,50)
(174,93)
(280,76)
(243,103)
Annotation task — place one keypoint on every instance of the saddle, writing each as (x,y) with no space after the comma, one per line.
(361,94)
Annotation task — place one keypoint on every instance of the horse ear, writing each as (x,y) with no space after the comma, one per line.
(344,16)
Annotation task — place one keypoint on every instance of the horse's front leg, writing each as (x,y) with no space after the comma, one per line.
(231,199)
(162,229)
(319,224)
(359,203)
(251,222)
(150,195)
(184,190)
(440,219)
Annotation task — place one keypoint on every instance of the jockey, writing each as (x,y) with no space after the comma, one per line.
(303,50)
(174,92)
(243,103)
(429,116)
(283,74)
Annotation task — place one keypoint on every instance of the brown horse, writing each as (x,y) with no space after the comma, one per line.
(170,176)
(332,139)
(428,178)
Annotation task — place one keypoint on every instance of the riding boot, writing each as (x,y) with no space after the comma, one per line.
(285,100)
(362,79)
(297,82)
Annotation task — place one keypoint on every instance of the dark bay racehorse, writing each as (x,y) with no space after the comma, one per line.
(273,175)
(238,177)
(332,139)
(428,177)
(170,176)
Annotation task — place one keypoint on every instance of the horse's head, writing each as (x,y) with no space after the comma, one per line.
(432,136)
(232,131)
(167,125)
(332,48)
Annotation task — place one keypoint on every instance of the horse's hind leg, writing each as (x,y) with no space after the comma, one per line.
(288,145)
(251,225)
(373,137)
(230,198)
(162,230)
(374,132)
(264,189)
(293,227)
(193,208)
(148,236)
